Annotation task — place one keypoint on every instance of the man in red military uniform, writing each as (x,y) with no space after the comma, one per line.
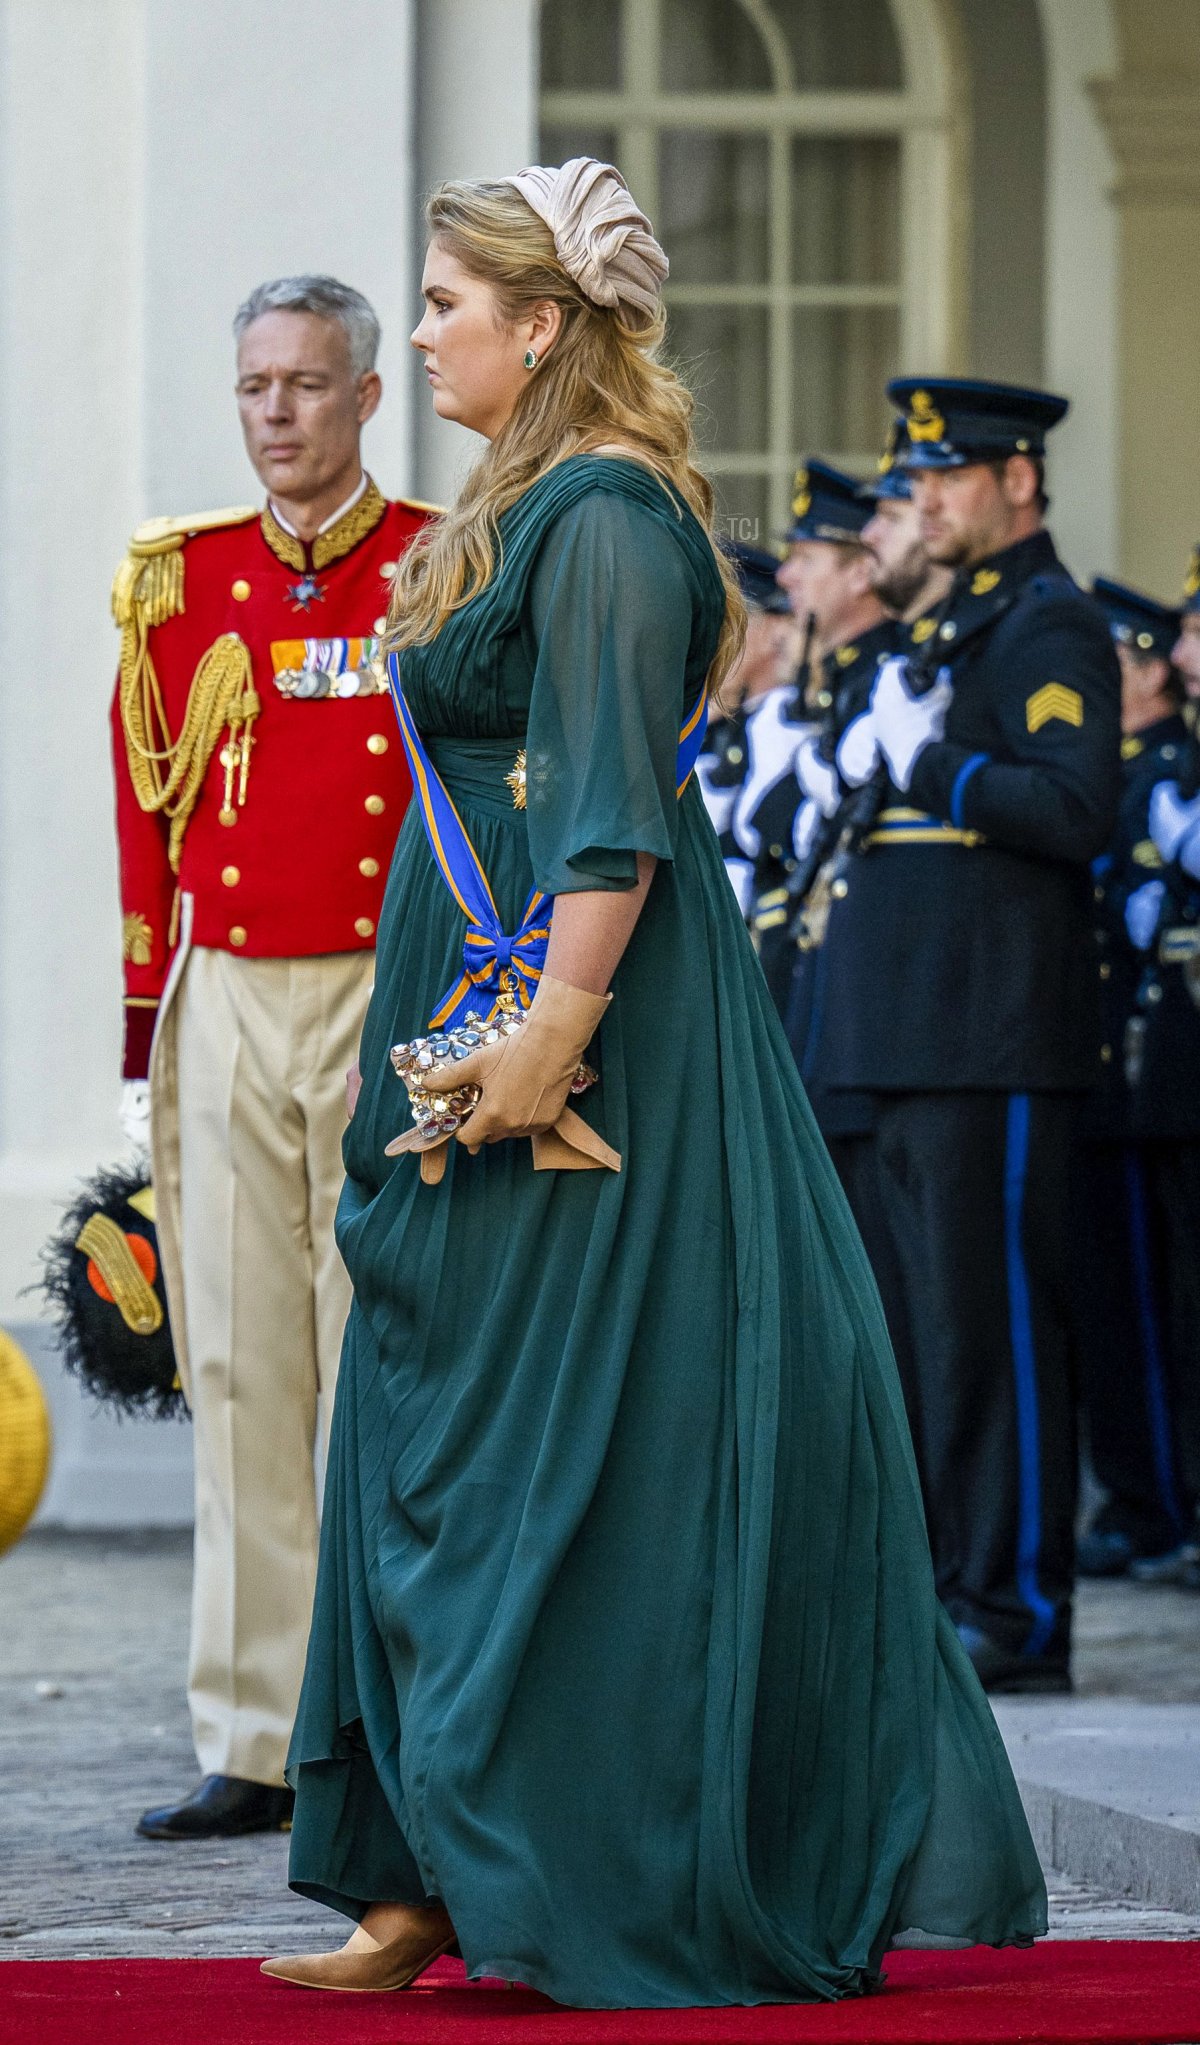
(260,786)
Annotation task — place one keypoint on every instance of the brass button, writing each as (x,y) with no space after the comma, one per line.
(1105,970)
(240,590)
(368,868)
(380,625)
(1106,1054)
(735,756)
(824,700)
(228,817)
(840,890)
(231,875)
(377,743)
(237,935)
(387,569)
(1154,993)
(948,629)
(364,926)
(374,805)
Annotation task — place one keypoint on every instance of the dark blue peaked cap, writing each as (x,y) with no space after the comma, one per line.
(827,505)
(892,478)
(953,421)
(756,576)
(1135,619)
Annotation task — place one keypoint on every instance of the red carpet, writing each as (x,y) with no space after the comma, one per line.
(1106,1992)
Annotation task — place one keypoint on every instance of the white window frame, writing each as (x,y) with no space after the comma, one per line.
(926,118)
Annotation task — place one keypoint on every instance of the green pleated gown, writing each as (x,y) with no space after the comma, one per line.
(625,1642)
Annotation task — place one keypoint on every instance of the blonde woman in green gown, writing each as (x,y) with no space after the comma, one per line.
(626,1675)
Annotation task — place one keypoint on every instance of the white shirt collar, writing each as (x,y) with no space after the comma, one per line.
(334,516)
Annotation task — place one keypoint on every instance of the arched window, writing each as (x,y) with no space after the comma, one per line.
(797,159)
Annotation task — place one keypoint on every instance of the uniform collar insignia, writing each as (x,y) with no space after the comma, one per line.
(1130,748)
(846,656)
(984,580)
(922,629)
(345,534)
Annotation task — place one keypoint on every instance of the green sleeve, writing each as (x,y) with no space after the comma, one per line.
(612,612)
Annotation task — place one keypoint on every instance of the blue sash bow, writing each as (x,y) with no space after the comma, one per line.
(492,959)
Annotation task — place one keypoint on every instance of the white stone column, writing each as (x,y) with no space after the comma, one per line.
(156,161)
(1081,288)
(71,452)
(477,80)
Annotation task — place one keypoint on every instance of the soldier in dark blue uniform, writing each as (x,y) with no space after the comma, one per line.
(1139,1162)
(907,582)
(960,989)
(828,576)
(767,663)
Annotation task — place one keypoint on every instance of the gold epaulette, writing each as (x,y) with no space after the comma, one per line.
(150,578)
(167,772)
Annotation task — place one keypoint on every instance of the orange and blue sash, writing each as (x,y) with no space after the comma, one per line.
(488,952)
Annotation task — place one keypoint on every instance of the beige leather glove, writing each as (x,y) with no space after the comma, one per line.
(526,1081)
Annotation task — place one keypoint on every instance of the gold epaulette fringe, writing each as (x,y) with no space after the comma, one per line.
(167,773)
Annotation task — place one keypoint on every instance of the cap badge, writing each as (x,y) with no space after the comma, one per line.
(1191,585)
(985,580)
(1053,701)
(801,494)
(925,422)
(887,460)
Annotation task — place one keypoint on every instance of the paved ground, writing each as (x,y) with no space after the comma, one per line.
(93,1728)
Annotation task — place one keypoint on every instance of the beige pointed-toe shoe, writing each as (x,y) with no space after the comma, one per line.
(363,1966)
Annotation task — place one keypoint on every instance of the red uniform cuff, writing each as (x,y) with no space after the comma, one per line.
(140,1018)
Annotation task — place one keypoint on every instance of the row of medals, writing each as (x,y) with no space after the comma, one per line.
(309,684)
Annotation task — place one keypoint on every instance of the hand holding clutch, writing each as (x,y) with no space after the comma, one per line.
(525,1078)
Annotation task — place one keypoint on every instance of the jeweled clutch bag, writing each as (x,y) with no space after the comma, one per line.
(440,1114)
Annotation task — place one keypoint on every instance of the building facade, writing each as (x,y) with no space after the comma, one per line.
(846,189)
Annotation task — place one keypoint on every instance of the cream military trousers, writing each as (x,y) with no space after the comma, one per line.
(247,1116)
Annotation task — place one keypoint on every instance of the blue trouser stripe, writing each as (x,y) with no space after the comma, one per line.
(1020,1314)
(1157,1408)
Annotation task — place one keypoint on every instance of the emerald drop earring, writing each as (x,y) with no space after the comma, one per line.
(530,359)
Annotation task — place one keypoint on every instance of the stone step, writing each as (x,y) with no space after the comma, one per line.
(1112,1792)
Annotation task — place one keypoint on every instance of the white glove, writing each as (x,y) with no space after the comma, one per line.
(805,825)
(1142,913)
(858,751)
(1172,822)
(818,778)
(905,724)
(741,880)
(718,802)
(133,1113)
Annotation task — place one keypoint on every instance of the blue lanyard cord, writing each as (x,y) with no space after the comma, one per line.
(492,960)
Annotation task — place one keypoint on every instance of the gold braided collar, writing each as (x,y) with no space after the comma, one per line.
(345,534)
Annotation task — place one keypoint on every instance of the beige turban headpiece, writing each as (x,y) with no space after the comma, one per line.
(602,238)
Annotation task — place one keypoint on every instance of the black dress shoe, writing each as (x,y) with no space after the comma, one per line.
(1004,1673)
(222,1807)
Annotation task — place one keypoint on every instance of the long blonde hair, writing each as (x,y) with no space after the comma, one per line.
(598,385)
